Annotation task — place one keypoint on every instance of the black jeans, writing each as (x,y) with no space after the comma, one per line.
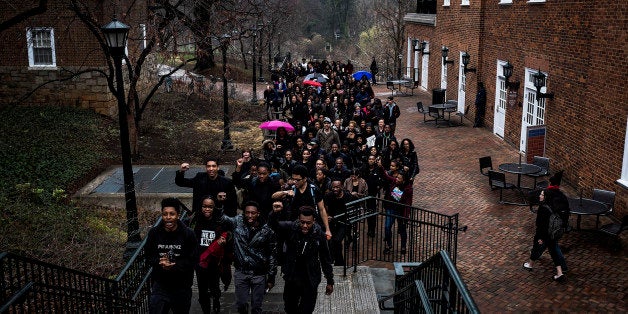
(299,296)
(166,299)
(208,282)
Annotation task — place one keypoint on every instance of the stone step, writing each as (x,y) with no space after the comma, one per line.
(355,293)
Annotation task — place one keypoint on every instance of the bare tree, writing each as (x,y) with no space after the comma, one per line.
(390,17)
(41,7)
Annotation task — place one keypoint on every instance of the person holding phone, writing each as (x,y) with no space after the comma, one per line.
(171,250)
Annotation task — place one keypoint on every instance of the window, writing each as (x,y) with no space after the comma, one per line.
(464,2)
(41,47)
(624,168)
(536,1)
(426,6)
(505,2)
(446,3)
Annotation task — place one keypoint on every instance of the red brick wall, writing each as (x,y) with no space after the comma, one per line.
(76,50)
(581,44)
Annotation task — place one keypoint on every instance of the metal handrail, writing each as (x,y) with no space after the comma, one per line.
(448,290)
(54,286)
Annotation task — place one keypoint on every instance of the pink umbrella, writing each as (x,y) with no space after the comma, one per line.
(275,124)
(312,83)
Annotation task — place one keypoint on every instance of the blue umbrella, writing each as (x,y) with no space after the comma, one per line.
(360,74)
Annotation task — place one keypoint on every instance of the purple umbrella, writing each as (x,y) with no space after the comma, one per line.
(275,124)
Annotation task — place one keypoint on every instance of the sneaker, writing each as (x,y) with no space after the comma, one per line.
(560,278)
(527,266)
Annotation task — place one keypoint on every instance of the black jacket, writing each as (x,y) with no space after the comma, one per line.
(254,249)
(202,186)
(306,254)
(183,243)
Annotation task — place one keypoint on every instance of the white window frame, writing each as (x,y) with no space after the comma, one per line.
(624,168)
(31,52)
(446,3)
(536,1)
(505,1)
(464,3)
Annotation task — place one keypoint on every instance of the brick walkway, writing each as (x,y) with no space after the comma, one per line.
(499,237)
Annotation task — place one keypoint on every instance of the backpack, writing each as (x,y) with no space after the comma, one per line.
(555,226)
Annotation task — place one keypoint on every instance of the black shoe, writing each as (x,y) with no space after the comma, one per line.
(387,250)
(560,278)
(403,251)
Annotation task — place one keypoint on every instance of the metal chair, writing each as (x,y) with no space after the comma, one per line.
(485,162)
(606,197)
(544,164)
(497,180)
(391,86)
(615,228)
(421,109)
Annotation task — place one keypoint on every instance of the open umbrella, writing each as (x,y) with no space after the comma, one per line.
(312,83)
(360,74)
(275,124)
(316,76)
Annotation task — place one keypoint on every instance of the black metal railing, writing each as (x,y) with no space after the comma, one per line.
(431,286)
(28,285)
(427,232)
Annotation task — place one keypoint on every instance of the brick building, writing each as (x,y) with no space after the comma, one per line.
(52,45)
(580,46)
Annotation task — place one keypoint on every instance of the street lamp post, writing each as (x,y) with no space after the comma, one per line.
(259,61)
(116,34)
(226,140)
(254,99)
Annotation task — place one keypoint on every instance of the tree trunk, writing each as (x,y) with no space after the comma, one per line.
(204,55)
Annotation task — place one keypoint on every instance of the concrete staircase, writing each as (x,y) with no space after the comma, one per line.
(355,293)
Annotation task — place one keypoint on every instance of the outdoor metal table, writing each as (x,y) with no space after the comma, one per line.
(519,169)
(584,206)
(442,108)
(399,84)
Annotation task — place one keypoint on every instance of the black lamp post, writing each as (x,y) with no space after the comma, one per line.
(254,99)
(539,82)
(115,34)
(226,140)
(259,61)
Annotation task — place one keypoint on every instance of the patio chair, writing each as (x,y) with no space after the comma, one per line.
(497,180)
(606,197)
(391,86)
(412,86)
(615,228)
(485,162)
(544,164)
(421,109)
(434,113)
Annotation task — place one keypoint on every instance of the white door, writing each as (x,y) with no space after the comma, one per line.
(499,115)
(462,85)
(533,110)
(424,67)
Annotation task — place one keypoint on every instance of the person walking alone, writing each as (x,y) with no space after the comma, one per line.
(552,201)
